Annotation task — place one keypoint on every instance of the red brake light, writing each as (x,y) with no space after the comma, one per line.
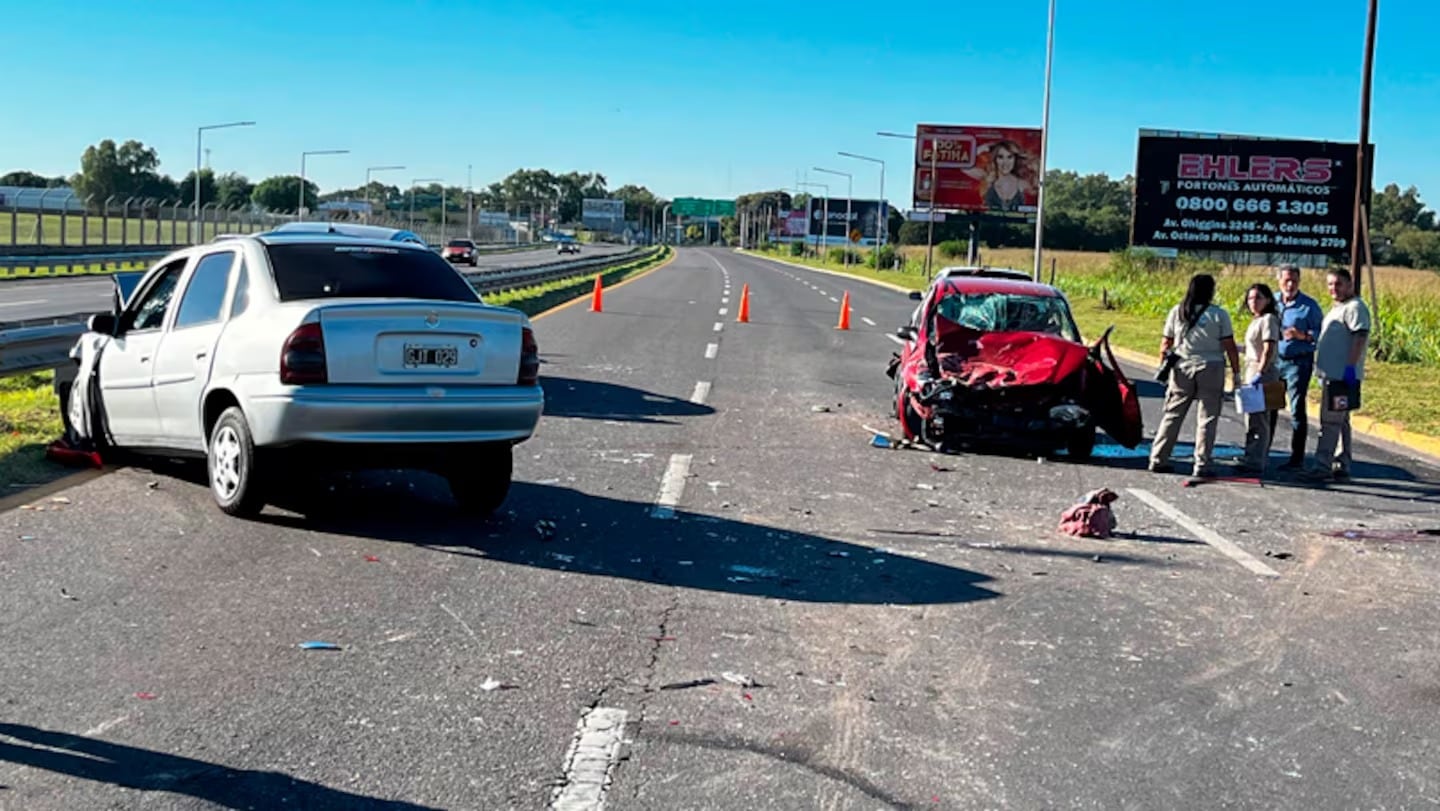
(302,359)
(529,359)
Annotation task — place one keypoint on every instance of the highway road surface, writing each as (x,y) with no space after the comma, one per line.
(708,590)
(40,299)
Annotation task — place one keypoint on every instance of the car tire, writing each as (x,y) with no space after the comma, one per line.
(230,466)
(911,423)
(1080,444)
(480,482)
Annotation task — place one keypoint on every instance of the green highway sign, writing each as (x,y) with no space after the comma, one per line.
(700,207)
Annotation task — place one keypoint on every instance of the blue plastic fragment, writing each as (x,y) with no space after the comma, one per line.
(880,441)
(319,646)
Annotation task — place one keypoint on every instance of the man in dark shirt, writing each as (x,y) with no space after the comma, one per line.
(1300,318)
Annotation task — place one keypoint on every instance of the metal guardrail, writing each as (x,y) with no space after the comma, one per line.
(41,348)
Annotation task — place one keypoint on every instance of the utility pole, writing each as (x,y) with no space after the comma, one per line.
(1362,177)
(1045,140)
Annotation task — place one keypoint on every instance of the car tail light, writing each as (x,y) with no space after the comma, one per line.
(529,359)
(302,359)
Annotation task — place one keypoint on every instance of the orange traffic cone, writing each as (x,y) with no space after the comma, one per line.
(597,304)
(844,312)
(744,316)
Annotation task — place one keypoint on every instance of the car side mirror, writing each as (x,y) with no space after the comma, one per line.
(103,323)
(916,295)
(907,332)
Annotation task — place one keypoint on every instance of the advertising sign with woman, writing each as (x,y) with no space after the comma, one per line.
(989,170)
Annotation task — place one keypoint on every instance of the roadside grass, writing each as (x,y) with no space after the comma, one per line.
(56,271)
(30,411)
(29,420)
(1133,294)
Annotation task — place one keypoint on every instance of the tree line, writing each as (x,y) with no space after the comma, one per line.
(132,170)
(1092,213)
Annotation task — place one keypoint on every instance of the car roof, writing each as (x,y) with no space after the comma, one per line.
(988,285)
(346,229)
(981,270)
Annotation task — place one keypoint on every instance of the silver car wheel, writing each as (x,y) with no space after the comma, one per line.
(225,467)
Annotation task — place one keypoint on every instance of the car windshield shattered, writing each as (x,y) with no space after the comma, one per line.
(364,271)
(1009,312)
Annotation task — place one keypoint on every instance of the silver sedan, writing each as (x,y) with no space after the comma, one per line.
(342,351)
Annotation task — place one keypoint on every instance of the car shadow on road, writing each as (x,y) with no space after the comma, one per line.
(140,769)
(595,400)
(553,527)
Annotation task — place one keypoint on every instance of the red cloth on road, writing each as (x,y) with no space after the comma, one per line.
(1092,517)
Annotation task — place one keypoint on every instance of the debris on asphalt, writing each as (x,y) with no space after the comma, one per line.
(586,623)
(820,409)
(924,486)
(27,537)
(143,696)
(740,679)
(662,639)
(152,485)
(939,469)
(1279,555)
(1092,517)
(371,559)
(319,646)
(545,529)
(490,685)
(687,685)
(60,500)
(880,441)
(67,595)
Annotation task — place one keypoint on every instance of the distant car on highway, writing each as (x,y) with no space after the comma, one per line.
(462,250)
(567,245)
(294,349)
(994,359)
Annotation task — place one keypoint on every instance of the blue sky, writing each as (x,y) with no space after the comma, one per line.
(696,99)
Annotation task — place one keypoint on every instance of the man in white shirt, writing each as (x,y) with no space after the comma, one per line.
(1339,356)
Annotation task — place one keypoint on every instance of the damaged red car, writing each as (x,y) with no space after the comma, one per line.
(993,360)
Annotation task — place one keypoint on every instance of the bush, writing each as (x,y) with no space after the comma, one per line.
(837,256)
(797,249)
(882,259)
(953,249)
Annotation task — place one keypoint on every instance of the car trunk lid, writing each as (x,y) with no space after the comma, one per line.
(421,342)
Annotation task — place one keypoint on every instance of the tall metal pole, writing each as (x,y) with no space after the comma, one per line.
(470,202)
(301,206)
(368,170)
(934,184)
(1045,141)
(1362,179)
(195,207)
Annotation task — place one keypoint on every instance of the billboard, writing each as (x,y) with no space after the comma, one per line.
(988,170)
(602,214)
(866,217)
(1224,193)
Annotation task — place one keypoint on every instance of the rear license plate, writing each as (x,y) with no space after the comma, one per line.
(441,356)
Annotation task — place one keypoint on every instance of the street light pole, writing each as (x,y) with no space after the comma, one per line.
(882,228)
(1358,233)
(824,218)
(299,209)
(368,170)
(1045,140)
(470,202)
(195,208)
(930,211)
(849,196)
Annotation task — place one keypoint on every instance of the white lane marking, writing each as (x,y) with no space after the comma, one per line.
(836,300)
(23,303)
(102,728)
(719,325)
(672,486)
(1204,533)
(867,321)
(821,292)
(896,338)
(702,391)
(711,350)
(591,760)
(725,300)
(724,310)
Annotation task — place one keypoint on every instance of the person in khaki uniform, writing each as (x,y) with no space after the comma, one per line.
(1261,339)
(1201,338)
(1339,355)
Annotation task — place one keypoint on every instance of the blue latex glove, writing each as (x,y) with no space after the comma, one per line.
(1254,381)
(1350,377)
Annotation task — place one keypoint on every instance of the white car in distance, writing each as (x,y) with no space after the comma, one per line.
(279,351)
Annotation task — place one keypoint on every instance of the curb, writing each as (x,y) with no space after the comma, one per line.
(572,302)
(897,288)
(1424,448)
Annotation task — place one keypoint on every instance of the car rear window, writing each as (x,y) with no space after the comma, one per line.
(459,243)
(364,271)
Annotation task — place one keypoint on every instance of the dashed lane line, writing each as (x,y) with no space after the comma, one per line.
(867,321)
(702,391)
(711,350)
(719,325)
(896,338)
(1204,533)
(724,310)
(672,486)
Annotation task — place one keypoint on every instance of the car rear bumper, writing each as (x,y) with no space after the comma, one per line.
(460,257)
(393,415)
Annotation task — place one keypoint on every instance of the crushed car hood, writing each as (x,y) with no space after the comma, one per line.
(1001,359)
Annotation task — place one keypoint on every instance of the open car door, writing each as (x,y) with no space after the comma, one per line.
(1112,397)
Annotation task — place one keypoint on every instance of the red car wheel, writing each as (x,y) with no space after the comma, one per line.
(910,422)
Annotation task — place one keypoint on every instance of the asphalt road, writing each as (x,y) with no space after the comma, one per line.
(27,300)
(786,616)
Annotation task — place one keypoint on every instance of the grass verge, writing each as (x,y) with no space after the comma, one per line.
(541,297)
(1106,291)
(29,421)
